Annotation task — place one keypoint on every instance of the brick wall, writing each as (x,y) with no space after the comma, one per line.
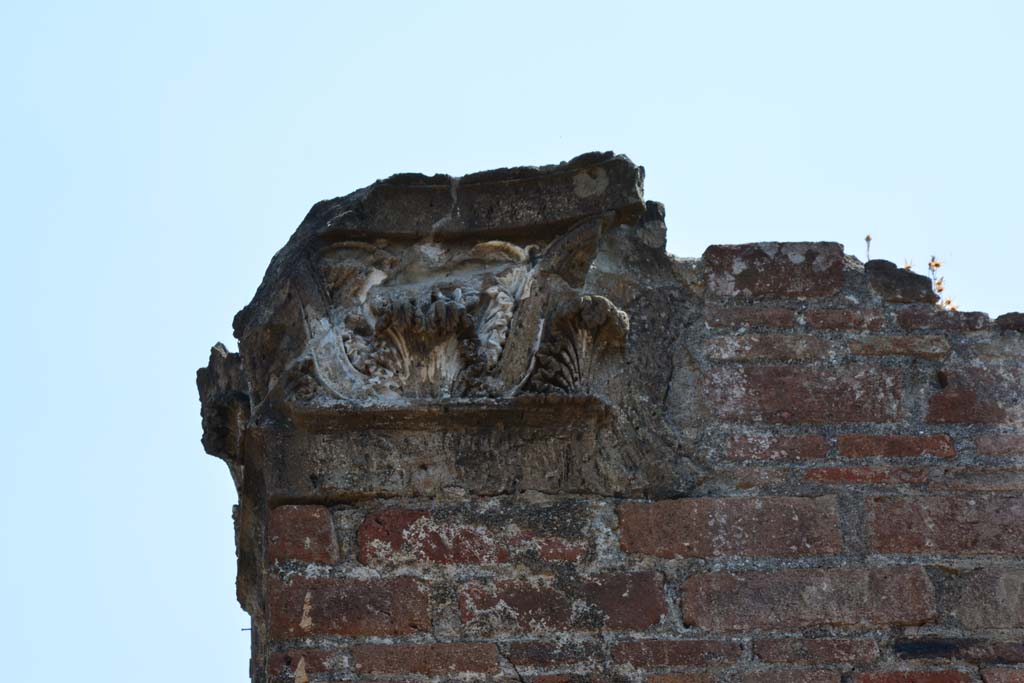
(853,511)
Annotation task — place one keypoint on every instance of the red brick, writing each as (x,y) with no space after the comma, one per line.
(1002,675)
(935,318)
(591,675)
(615,601)
(793,394)
(789,676)
(989,598)
(914,677)
(965,526)
(301,532)
(769,447)
(516,603)
(306,661)
(413,535)
(962,406)
(629,602)
(648,654)
(432,659)
(800,598)
(744,478)
(927,347)
(867,475)
(750,316)
(816,650)
(721,527)
(553,549)
(988,379)
(542,653)
(845,319)
(867,445)
(383,532)
(401,536)
(996,479)
(773,269)
(302,607)
(1000,444)
(974,650)
(756,347)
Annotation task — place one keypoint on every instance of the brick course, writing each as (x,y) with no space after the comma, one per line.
(867,445)
(792,395)
(771,447)
(303,533)
(299,607)
(959,525)
(647,654)
(431,659)
(816,650)
(716,527)
(790,599)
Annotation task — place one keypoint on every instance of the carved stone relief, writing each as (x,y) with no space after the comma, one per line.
(421,289)
(431,320)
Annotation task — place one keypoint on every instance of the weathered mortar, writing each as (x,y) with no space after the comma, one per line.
(486,428)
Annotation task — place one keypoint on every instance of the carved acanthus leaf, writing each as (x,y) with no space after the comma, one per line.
(575,337)
(424,320)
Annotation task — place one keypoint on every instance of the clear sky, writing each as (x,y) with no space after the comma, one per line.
(152,159)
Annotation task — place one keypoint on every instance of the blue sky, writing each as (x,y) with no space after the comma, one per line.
(155,157)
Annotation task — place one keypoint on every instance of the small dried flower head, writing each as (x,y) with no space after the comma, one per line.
(907,265)
(867,238)
(934,264)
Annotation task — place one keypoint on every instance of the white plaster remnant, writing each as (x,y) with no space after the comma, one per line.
(306,622)
(300,671)
(590,182)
